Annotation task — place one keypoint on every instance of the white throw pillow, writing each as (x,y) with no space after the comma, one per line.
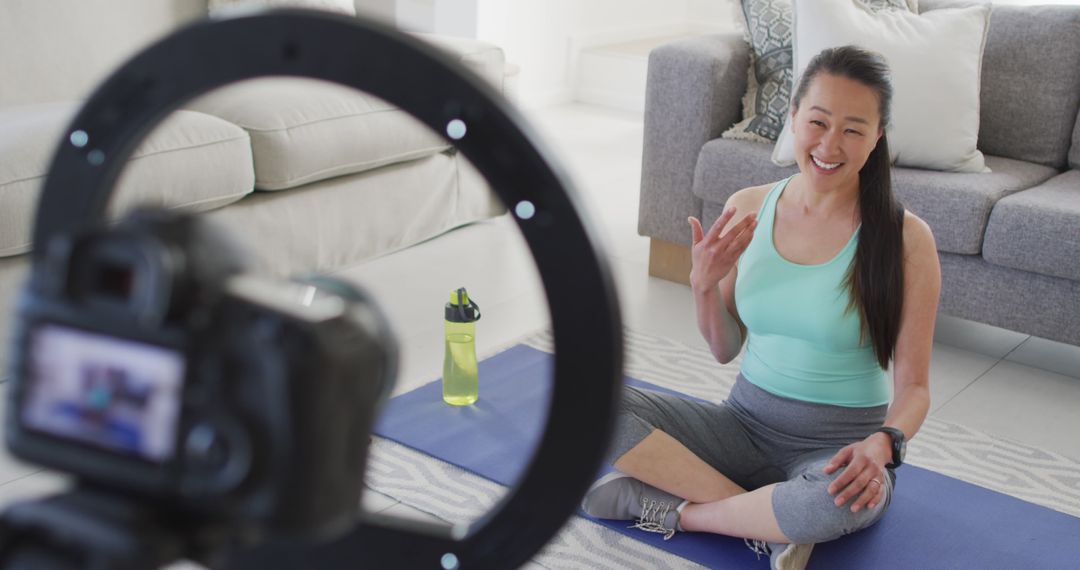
(936,63)
(341,6)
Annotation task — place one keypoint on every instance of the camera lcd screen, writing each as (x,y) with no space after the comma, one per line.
(112,393)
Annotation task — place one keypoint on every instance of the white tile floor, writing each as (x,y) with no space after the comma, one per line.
(1000,382)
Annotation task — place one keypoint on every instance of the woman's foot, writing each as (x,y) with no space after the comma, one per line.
(782,556)
(619,496)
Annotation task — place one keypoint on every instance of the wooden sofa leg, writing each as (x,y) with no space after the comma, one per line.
(670,261)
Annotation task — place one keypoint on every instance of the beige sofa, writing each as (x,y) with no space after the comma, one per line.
(311,176)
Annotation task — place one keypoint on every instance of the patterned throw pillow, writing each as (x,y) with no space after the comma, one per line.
(768,94)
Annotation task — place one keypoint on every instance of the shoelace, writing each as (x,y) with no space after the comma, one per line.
(652,518)
(758,546)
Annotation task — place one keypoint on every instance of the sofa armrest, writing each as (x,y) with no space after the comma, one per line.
(693,93)
(485,59)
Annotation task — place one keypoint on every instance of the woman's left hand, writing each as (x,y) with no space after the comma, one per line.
(865,473)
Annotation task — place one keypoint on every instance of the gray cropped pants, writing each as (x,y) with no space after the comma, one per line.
(756,438)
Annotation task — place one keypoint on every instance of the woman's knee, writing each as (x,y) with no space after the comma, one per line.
(635,401)
(635,419)
(630,429)
(807,513)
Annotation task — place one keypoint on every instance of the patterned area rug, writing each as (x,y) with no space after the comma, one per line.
(459,497)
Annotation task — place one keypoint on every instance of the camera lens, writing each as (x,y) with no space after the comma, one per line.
(207,447)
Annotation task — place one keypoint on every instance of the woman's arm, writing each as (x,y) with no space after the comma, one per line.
(866,459)
(911,359)
(717,321)
(714,255)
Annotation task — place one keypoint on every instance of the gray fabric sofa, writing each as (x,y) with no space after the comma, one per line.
(1009,240)
(310,176)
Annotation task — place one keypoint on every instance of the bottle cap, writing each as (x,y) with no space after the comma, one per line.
(461,309)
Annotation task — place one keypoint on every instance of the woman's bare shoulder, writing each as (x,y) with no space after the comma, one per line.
(919,242)
(749,199)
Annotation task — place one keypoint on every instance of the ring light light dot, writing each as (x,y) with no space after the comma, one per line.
(449,561)
(79,138)
(455,129)
(95,157)
(525,209)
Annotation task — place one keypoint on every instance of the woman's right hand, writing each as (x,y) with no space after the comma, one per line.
(713,255)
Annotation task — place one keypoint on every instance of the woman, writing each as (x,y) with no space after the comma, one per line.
(837,281)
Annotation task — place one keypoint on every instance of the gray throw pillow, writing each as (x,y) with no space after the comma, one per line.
(768,94)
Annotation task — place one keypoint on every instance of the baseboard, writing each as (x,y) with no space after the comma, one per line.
(669,261)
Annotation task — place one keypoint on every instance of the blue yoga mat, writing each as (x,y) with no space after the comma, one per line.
(934,521)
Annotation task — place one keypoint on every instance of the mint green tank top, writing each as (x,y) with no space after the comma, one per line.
(802,342)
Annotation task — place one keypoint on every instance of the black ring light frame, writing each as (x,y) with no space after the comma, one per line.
(436,90)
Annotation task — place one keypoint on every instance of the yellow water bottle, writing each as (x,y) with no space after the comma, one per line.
(461,382)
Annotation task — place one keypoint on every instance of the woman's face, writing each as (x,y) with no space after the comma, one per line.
(836,126)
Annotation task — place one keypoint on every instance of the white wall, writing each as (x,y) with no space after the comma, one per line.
(713,12)
(539,36)
(542,36)
(415,15)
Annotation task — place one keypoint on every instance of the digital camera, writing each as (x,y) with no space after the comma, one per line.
(149,360)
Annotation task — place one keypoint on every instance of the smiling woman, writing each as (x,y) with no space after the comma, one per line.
(826,279)
(839,113)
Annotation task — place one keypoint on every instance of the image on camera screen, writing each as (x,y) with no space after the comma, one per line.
(116,394)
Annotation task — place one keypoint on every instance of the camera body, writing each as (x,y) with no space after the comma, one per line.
(151,362)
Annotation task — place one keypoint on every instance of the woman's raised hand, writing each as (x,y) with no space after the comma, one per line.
(713,255)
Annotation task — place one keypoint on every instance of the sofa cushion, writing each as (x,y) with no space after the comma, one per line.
(190,160)
(725,166)
(346,220)
(956,205)
(1031,83)
(1038,229)
(304,130)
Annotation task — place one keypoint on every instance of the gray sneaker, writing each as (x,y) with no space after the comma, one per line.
(621,497)
(782,556)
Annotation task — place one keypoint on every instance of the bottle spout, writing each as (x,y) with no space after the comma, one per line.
(461,309)
(459,297)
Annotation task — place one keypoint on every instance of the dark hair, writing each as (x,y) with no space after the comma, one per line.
(876,276)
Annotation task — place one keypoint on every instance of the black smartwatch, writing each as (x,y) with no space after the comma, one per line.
(899,445)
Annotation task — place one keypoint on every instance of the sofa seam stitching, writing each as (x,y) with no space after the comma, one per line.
(134,158)
(407,156)
(252,129)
